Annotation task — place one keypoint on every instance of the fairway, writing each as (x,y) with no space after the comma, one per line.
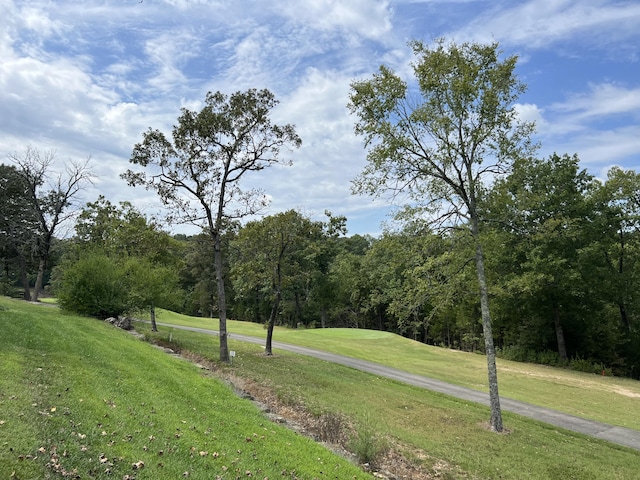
(604,399)
(435,429)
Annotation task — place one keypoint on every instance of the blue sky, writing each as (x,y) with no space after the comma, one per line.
(88,78)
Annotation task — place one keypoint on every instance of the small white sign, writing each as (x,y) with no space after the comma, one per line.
(232,353)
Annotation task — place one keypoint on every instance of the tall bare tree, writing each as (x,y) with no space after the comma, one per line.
(197,174)
(51,197)
(440,142)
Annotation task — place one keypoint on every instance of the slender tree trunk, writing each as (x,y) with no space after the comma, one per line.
(24,278)
(222,301)
(297,313)
(494,397)
(268,350)
(624,317)
(39,279)
(154,327)
(562,347)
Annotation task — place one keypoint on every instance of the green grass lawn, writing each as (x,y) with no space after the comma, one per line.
(450,431)
(439,431)
(606,399)
(77,394)
(82,399)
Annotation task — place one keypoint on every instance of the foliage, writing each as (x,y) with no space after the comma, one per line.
(197,174)
(442,145)
(367,443)
(119,263)
(271,262)
(18,229)
(94,285)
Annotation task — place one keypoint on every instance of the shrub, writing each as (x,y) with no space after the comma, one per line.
(330,427)
(589,366)
(93,285)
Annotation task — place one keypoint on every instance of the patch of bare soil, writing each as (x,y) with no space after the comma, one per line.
(330,430)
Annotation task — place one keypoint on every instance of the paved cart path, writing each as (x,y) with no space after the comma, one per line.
(611,433)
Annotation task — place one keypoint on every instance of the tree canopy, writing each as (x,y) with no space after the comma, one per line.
(197,174)
(441,143)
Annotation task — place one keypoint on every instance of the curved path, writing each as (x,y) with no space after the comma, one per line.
(619,435)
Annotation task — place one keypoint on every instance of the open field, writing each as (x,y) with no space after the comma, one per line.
(82,399)
(78,394)
(606,399)
(446,436)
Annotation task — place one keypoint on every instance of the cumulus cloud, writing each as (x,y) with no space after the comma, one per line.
(87,78)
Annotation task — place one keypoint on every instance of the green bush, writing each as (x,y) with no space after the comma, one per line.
(93,285)
(519,353)
(589,366)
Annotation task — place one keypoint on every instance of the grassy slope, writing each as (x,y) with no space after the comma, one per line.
(451,432)
(78,395)
(606,399)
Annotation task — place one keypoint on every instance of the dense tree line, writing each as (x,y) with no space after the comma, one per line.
(562,250)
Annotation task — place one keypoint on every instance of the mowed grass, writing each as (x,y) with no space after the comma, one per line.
(82,399)
(606,399)
(445,435)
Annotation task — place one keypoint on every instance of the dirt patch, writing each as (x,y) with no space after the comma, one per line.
(625,392)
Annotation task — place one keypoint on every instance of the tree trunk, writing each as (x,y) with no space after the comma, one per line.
(562,347)
(154,327)
(494,397)
(22,265)
(222,302)
(624,317)
(268,350)
(39,279)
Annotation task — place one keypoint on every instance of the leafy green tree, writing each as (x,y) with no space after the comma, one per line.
(346,284)
(326,241)
(18,227)
(549,210)
(621,196)
(197,174)
(439,144)
(271,257)
(145,259)
(51,198)
(618,254)
(152,285)
(122,230)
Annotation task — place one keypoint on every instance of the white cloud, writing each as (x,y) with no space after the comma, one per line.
(330,155)
(528,112)
(364,18)
(168,52)
(602,100)
(87,78)
(538,23)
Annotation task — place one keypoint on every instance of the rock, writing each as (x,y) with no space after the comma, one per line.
(120,322)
